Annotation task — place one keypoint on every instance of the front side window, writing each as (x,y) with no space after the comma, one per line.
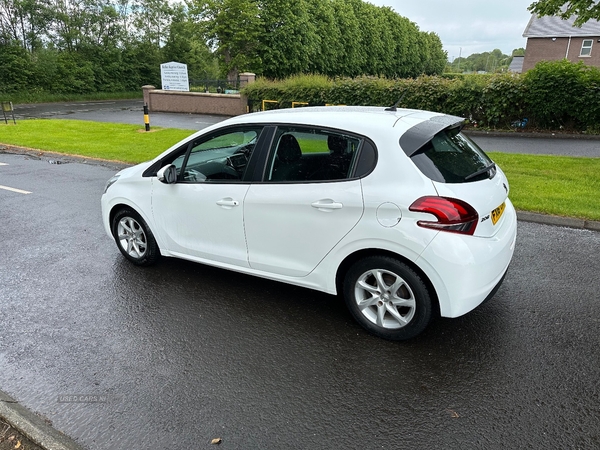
(222,156)
(586,47)
(303,154)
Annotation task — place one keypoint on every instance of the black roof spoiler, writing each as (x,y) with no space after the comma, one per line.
(419,135)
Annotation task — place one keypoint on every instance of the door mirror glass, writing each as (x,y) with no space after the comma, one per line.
(167,174)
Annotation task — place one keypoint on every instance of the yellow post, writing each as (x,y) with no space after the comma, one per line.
(267,101)
(146,118)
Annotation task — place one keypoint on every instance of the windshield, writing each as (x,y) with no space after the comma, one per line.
(451,157)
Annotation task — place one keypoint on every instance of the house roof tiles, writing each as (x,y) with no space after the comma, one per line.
(516,64)
(553,26)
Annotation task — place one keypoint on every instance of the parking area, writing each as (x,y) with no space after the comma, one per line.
(118,111)
(178,354)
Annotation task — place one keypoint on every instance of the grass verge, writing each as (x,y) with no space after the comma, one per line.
(116,142)
(558,185)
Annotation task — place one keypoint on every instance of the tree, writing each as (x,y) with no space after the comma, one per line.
(584,9)
(435,56)
(351,54)
(288,37)
(185,44)
(24,21)
(232,27)
(152,19)
(79,46)
(406,53)
(494,61)
(15,67)
(327,58)
(377,45)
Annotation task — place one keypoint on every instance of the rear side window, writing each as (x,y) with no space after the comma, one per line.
(451,157)
(302,154)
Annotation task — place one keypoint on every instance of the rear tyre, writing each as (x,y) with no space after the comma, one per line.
(387,298)
(134,238)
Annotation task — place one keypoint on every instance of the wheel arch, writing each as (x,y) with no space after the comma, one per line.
(352,258)
(152,251)
(115,210)
(119,206)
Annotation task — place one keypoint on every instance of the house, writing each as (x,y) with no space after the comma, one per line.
(551,38)
(516,65)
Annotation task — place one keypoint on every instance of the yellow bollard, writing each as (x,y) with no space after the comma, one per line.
(146,118)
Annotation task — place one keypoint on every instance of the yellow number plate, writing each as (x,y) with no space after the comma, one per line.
(497,213)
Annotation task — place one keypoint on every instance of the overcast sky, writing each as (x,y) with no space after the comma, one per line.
(476,26)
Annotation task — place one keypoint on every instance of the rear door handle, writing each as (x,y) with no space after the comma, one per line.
(327,205)
(228,202)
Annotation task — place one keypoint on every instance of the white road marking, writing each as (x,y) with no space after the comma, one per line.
(3,164)
(18,191)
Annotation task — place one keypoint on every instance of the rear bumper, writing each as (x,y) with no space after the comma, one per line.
(467,270)
(491,294)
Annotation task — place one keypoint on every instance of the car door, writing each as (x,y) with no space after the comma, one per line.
(306,203)
(201,215)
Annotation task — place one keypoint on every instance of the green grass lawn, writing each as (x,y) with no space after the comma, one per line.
(116,142)
(558,185)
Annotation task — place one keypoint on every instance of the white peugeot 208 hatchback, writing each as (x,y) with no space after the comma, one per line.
(393,208)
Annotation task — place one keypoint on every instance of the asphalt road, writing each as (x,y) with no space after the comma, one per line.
(175,355)
(551,145)
(118,111)
(131,111)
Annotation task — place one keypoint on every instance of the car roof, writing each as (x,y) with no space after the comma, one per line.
(360,119)
(370,121)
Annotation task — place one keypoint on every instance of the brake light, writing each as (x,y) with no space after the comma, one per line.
(453,215)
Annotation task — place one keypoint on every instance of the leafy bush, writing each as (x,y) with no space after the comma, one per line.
(464,97)
(502,101)
(429,93)
(15,67)
(587,103)
(313,89)
(553,95)
(553,90)
(362,91)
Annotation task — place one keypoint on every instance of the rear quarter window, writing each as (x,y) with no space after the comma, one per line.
(451,157)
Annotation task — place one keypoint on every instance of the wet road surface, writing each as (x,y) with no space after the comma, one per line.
(131,111)
(117,111)
(175,355)
(513,143)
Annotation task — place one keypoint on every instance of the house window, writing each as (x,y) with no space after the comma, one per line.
(586,47)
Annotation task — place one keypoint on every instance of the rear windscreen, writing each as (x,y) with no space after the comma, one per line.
(451,157)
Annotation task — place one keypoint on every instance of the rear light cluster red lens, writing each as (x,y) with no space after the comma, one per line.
(452,215)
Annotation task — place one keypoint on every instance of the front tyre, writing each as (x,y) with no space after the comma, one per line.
(134,238)
(387,298)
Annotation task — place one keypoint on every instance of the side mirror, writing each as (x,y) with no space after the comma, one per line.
(167,174)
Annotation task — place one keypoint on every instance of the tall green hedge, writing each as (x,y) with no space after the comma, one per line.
(553,95)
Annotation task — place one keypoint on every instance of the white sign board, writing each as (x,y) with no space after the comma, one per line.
(174,76)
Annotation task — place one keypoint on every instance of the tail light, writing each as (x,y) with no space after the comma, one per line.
(452,215)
